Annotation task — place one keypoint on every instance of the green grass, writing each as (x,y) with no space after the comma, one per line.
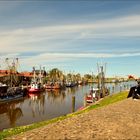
(105,101)
(110,99)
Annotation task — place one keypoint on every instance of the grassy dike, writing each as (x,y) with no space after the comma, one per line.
(105,101)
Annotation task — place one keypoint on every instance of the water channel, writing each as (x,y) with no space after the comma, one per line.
(49,104)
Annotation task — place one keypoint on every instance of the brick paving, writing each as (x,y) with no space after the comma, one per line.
(120,120)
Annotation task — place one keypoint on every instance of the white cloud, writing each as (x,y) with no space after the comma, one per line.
(62,57)
(58,59)
(55,56)
(15,42)
(18,40)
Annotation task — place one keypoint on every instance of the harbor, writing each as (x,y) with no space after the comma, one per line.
(69,70)
(41,95)
(49,104)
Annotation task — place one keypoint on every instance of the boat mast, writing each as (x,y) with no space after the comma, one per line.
(101,78)
(40,81)
(98,78)
(12,67)
(34,74)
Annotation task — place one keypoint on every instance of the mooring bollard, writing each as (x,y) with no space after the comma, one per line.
(73,103)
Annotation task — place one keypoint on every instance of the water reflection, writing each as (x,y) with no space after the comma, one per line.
(53,95)
(72,90)
(37,103)
(49,104)
(13,114)
(12,110)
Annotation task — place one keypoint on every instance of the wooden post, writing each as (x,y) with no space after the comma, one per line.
(127,86)
(120,88)
(124,87)
(113,88)
(99,94)
(85,101)
(108,90)
(73,103)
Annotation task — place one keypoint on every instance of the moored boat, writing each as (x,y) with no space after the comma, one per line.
(48,86)
(70,84)
(93,95)
(12,93)
(36,84)
(54,86)
(36,88)
(11,98)
(11,90)
(3,88)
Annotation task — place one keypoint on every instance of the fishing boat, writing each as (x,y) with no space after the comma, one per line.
(11,98)
(70,83)
(11,90)
(48,86)
(52,86)
(36,83)
(71,80)
(80,82)
(12,93)
(3,88)
(93,95)
(36,88)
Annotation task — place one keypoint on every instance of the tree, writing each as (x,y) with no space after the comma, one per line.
(55,75)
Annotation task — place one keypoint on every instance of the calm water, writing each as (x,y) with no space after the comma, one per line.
(48,105)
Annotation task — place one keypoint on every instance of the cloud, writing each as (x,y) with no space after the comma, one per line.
(63,57)
(60,60)
(47,39)
(19,39)
(56,56)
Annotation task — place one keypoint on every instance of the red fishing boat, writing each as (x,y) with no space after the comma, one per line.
(93,95)
(53,86)
(35,88)
(36,84)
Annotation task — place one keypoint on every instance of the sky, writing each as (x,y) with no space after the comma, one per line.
(72,35)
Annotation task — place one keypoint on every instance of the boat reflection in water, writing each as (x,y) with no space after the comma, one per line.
(10,113)
(46,105)
(14,113)
(54,95)
(37,102)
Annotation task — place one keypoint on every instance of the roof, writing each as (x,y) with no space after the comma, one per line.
(26,74)
(7,72)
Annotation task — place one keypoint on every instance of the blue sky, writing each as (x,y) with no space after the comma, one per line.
(72,35)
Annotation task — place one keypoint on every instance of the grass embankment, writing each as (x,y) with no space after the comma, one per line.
(105,101)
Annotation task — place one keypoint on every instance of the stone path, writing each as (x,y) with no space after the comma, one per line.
(116,121)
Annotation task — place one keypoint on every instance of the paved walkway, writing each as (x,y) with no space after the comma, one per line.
(116,121)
